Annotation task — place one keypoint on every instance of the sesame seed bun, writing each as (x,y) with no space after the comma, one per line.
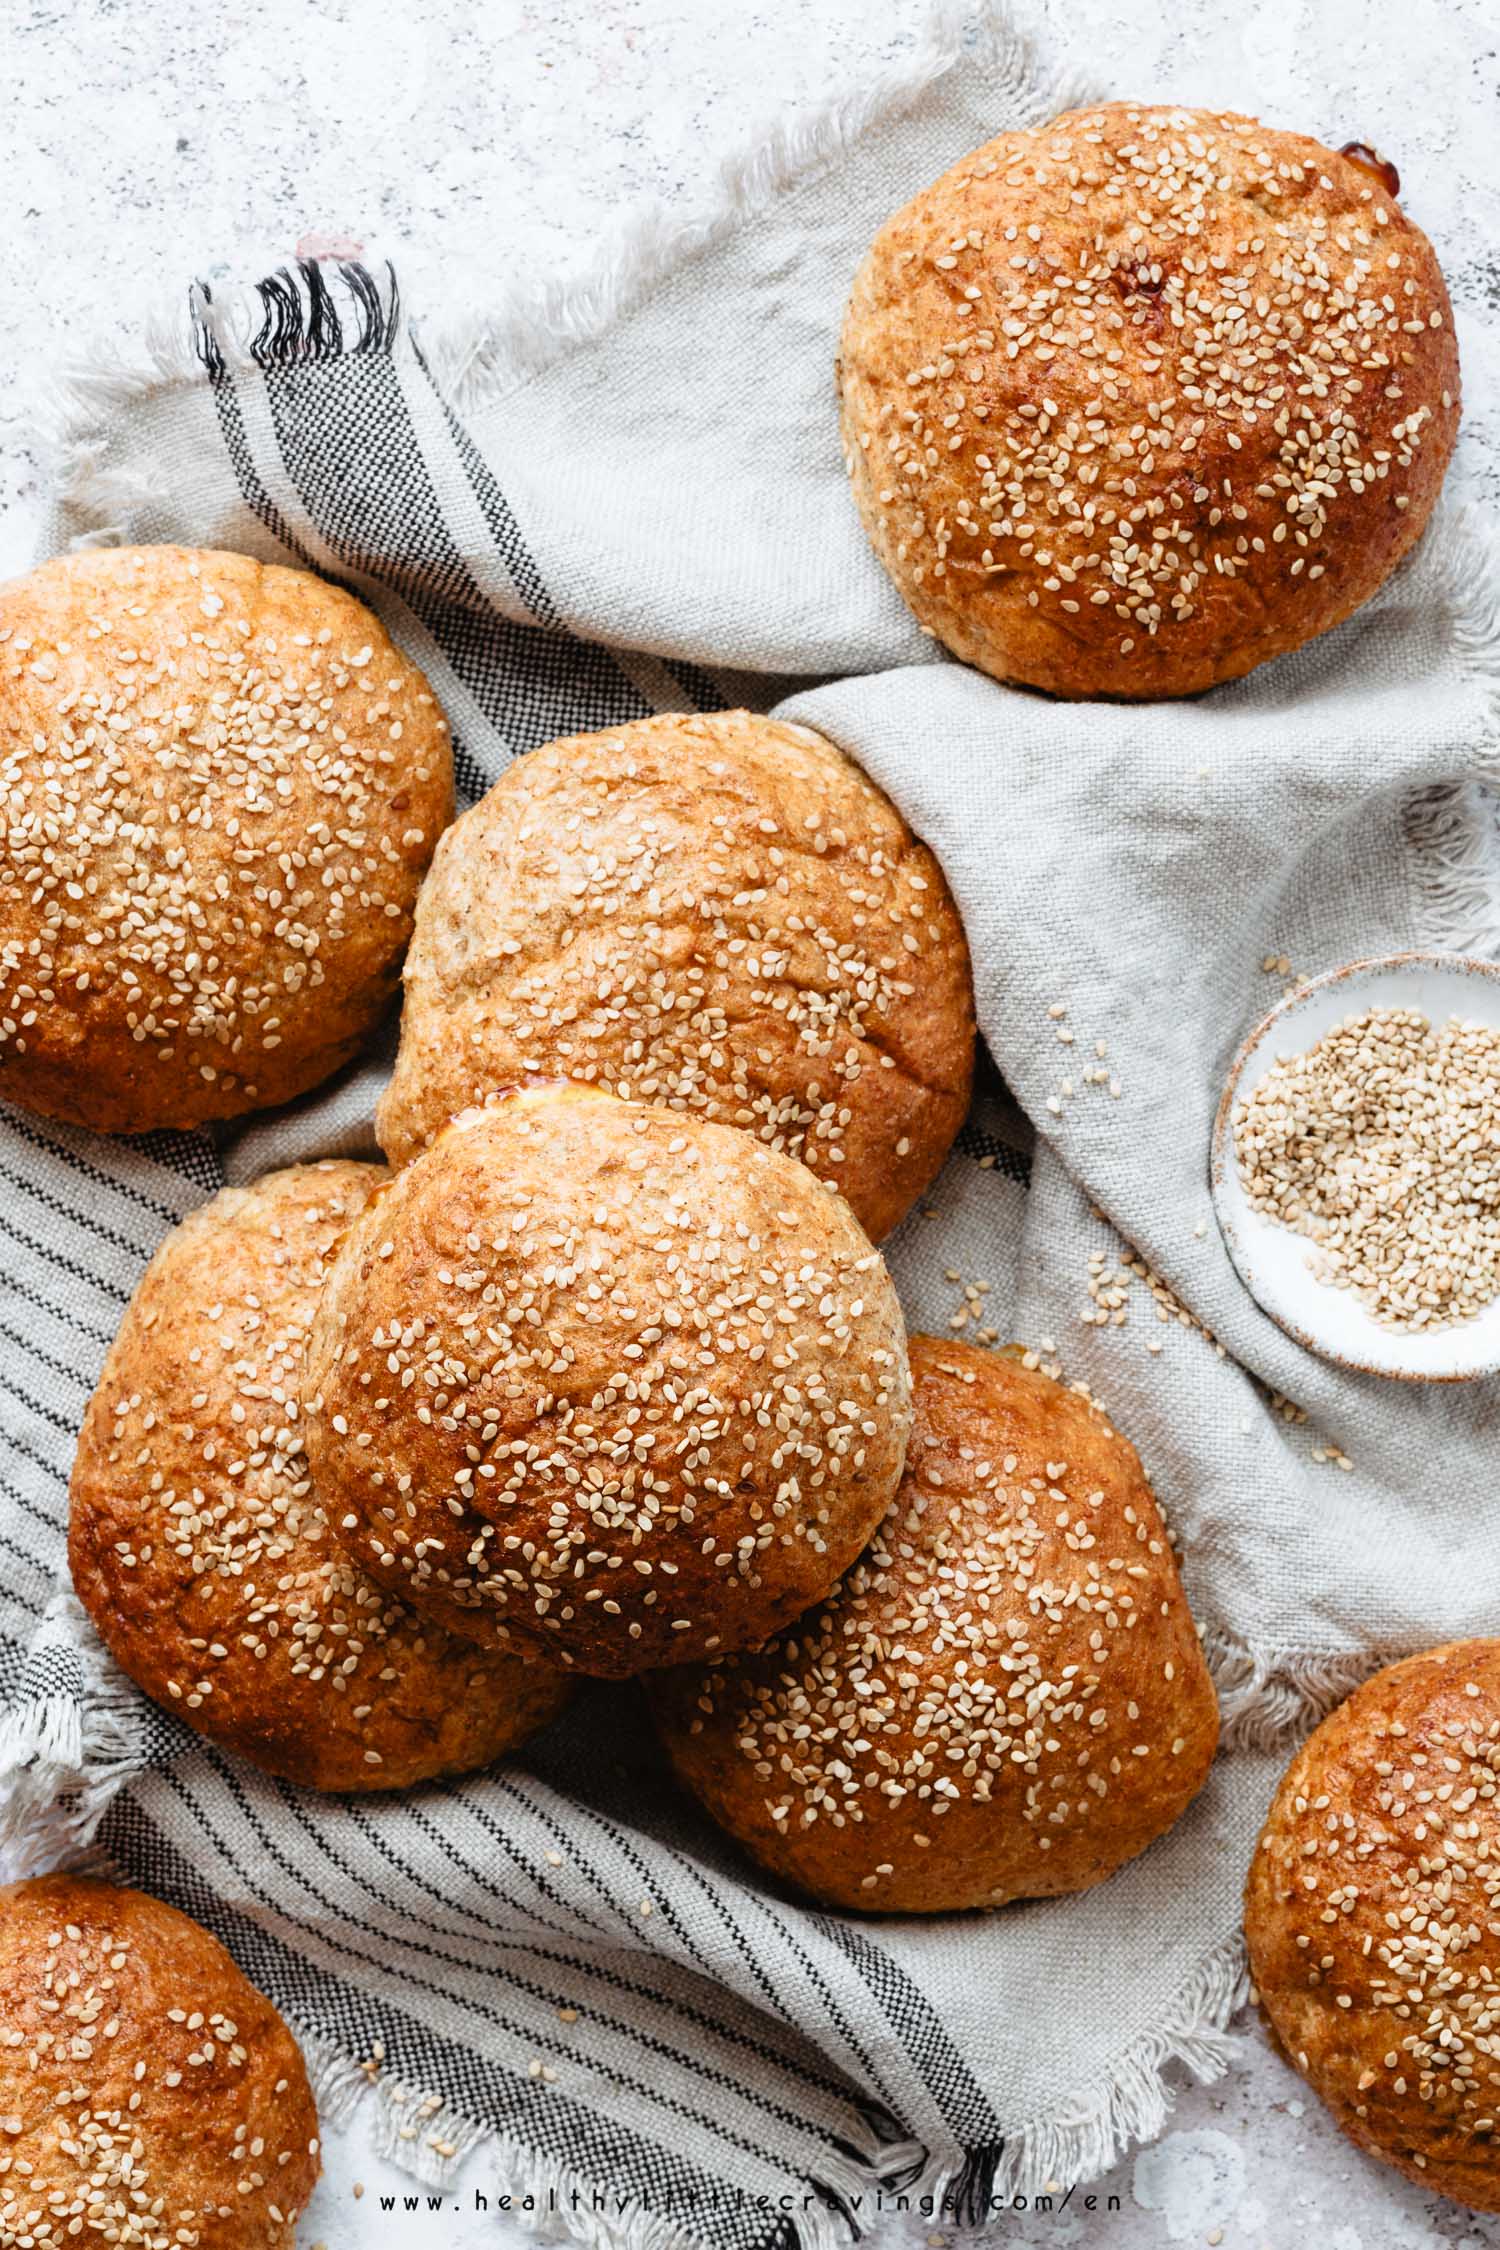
(718,913)
(1005,1698)
(1373,1916)
(198,1543)
(623,1384)
(219,785)
(1138,399)
(148,2093)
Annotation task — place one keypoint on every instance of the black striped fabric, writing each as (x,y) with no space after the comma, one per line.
(741,2070)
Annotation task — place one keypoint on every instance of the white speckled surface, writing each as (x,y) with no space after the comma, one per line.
(152,141)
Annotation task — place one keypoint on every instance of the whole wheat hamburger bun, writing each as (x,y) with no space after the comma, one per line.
(198,1541)
(718,913)
(626,1386)
(220,786)
(149,2095)
(1004,1698)
(1136,400)
(1373,1917)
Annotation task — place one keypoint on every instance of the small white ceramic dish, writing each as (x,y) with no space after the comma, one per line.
(1272,1260)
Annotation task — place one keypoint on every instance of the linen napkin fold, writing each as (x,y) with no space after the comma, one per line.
(626,496)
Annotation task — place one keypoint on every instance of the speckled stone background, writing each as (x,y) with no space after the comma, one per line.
(149,140)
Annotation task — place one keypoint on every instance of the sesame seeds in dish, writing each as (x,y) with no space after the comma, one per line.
(198,1542)
(625,1386)
(149,2096)
(1005,1697)
(1381,1144)
(1138,399)
(1372,1910)
(718,913)
(219,787)
(1365,1168)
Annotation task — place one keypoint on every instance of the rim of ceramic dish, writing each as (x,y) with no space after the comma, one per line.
(1222,1158)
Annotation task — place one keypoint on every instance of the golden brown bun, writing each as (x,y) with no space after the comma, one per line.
(1004,1699)
(197,1542)
(622,1383)
(1136,400)
(148,2094)
(717,913)
(1373,1915)
(219,785)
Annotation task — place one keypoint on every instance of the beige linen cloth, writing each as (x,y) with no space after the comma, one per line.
(624,496)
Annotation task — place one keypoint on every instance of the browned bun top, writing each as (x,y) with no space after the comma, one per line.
(1373,1915)
(1005,1698)
(149,2096)
(623,1384)
(198,1543)
(717,913)
(1137,399)
(220,785)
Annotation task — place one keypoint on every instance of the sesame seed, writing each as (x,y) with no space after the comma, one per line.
(201,1547)
(201,832)
(79,2157)
(750,960)
(1381,1144)
(1242,385)
(664,1395)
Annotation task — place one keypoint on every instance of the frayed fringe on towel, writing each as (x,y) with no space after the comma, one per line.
(1453,831)
(1128,2102)
(314,310)
(1131,2099)
(422,2134)
(309,311)
(1270,1702)
(63,1757)
(474,365)
(1454,835)
(303,313)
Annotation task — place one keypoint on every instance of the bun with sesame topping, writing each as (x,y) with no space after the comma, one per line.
(219,787)
(717,913)
(197,1542)
(1373,1916)
(1005,1698)
(1138,399)
(149,2095)
(627,1386)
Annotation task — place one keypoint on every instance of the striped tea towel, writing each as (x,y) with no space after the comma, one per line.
(624,497)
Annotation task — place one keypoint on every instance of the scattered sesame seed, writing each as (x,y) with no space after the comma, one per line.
(1110,1286)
